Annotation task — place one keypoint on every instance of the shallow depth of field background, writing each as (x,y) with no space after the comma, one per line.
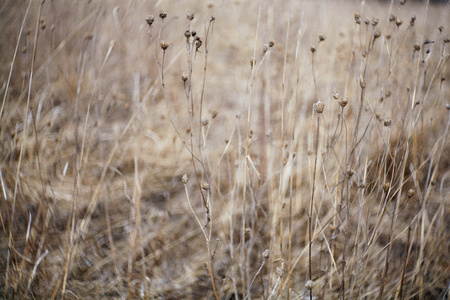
(110,148)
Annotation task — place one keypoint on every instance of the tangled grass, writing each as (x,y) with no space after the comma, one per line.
(224,150)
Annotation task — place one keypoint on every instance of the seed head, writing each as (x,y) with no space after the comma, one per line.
(164,45)
(416,47)
(362,83)
(163,14)
(266,254)
(386,187)
(187,34)
(357,18)
(412,22)
(387,122)
(313,49)
(150,19)
(309,285)
(376,34)
(198,44)
(441,28)
(411,193)
(336,95)
(319,106)
(271,43)
(398,22)
(343,101)
(205,185)
(214,114)
(194,33)
(265,48)
(375,22)
(392,18)
(190,16)
(184,77)
(184,179)
(321,38)
(350,172)
(402,2)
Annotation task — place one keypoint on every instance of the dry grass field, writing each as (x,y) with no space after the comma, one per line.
(224,149)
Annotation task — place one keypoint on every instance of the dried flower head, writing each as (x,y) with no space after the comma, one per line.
(362,83)
(313,49)
(187,34)
(392,18)
(441,28)
(336,95)
(343,101)
(398,22)
(375,22)
(309,285)
(386,187)
(411,193)
(265,48)
(163,14)
(164,45)
(387,122)
(198,43)
(319,106)
(214,114)
(321,38)
(357,18)
(190,16)
(350,172)
(150,19)
(205,185)
(376,34)
(266,254)
(271,43)
(184,179)
(402,2)
(184,77)
(416,47)
(194,33)
(412,21)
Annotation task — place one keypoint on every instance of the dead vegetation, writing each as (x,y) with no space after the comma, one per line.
(258,149)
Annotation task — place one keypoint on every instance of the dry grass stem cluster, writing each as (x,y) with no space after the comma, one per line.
(224,149)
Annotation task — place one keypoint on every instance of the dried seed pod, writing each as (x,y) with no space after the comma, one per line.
(411,193)
(214,114)
(412,22)
(198,44)
(265,48)
(313,49)
(321,38)
(350,172)
(205,122)
(402,2)
(343,101)
(386,187)
(319,106)
(205,185)
(184,77)
(309,285)
(184,179)
(187,34)
(163,14)
(357,18)
(387,122)
(392,18)
(398,22)
(266,254)
(376,34)
(164,45)
(190,16)
(252,61)
(150,19)
(416,47)
(362,83)
(441,28)
(194,33)
(336,95)
(271,43)
(375,22)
